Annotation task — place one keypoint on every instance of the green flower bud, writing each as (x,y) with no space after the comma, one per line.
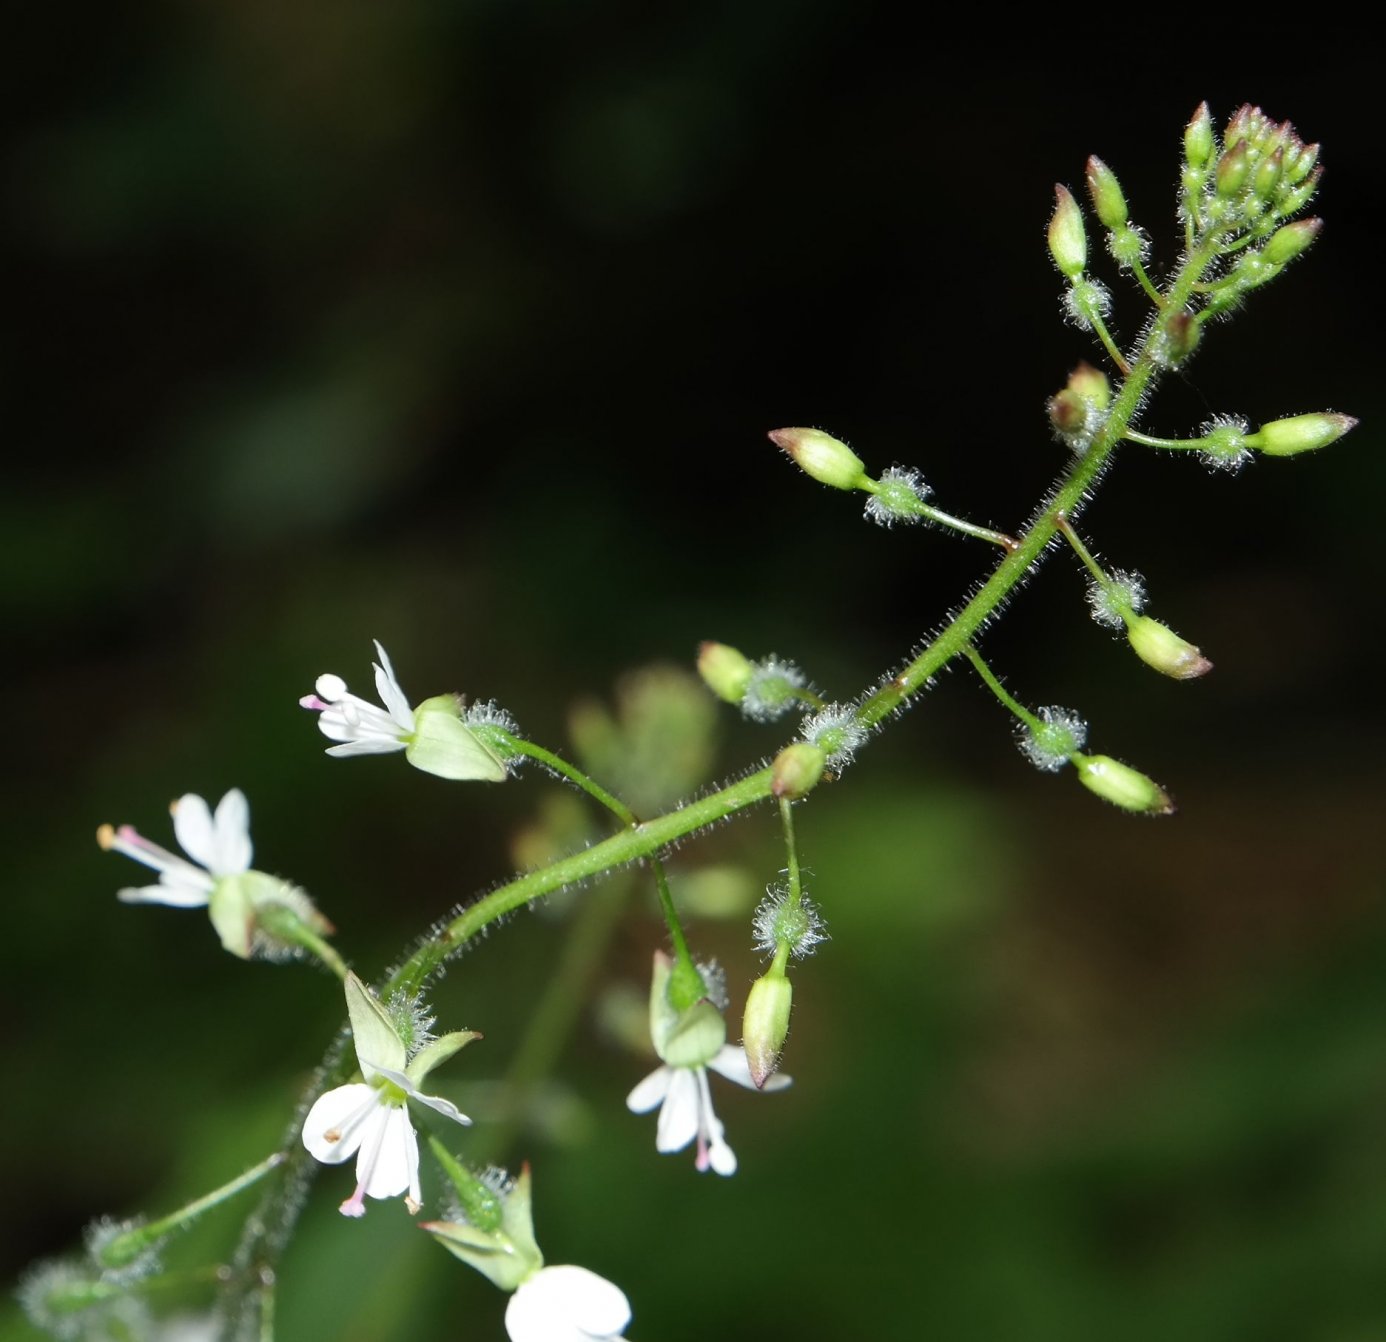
(1234,167)
(1299,162)
(1267,175)
(1294,200)
(1105,190)
(1068,412)
(1068,243)
(766,1023)
(1159,646)
(1091,384)
(1302,433)
(822,456)
(1181,336)
(1288,242)
(1198,138)
(725,671)
(797,770)
(1122,785)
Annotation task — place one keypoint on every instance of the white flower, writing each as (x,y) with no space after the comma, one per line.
(370,1118)
(567,1304)
(219,844)
(688,1043)
(686,1112)
(363,728)
(253,914)
(433,736)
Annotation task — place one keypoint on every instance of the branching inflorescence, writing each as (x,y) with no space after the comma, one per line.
(1239,198)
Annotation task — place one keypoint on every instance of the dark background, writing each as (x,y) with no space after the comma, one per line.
(461,327)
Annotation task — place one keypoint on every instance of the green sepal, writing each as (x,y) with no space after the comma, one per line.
(439,1051)
(232,911)
(504,1250)
(377,1041)
(685,1037)
(444,746)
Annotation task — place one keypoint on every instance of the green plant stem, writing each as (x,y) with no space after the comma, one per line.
(791,849)
(552,1017)
(1065,499)
(1149,440)
(571,772)
(1155,296)
(1110,345)
(626,816)
(921,509)
(153,1230)
(1076,543)
(268,1230)
(1000,691)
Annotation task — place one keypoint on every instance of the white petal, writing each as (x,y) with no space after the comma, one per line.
(192,823)
(719,1155)
(678,1120)
(344,1113)
(178,894)
(441,1106)
(567,1304)
(730,1062)
(651,1091)
(389,1166)
(231,840)
(366,745)
(387,687)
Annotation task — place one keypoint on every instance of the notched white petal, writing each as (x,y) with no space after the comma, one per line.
(730,1062)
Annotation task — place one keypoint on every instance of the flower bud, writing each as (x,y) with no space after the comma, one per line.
(1300,163)
(1302,433)
(766,1023)
(822,456)
(797,770)
(1091,384)
(1198,137)
(1105,190)
(1288,242)
(1234,167)
(725,671)
(1068,413)
(1159,646)
(1268,174)
(1181,336)
(1068,243)
(1122,785)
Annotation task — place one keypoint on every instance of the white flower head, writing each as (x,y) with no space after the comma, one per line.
(433,736)
(370,1118)
(689,1042)
(567,1304)
(218,876)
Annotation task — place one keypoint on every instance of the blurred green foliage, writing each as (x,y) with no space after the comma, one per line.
(461,327)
